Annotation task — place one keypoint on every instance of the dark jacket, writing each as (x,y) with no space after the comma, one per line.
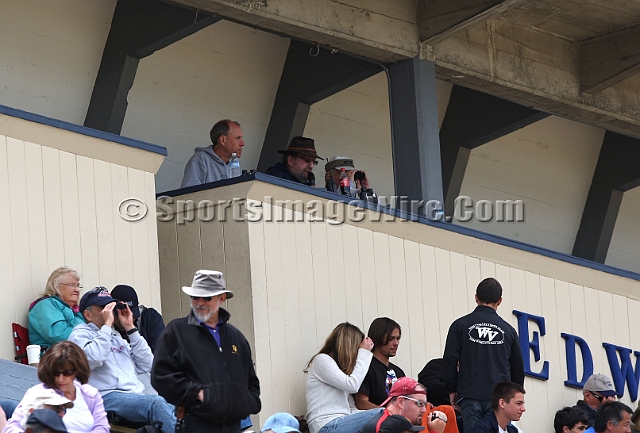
(588,411)
(280,170)
(151,326)
(187,359)
(431,378)
(489,424)
(488,351)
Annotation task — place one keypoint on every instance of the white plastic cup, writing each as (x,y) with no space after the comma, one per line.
(33,354)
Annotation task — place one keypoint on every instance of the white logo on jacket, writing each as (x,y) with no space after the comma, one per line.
(486,333)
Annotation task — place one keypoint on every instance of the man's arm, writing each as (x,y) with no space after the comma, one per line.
(96,345)
(450,362)
(167,375)
(362,401)
(516,362)
(140,352)
(194,171)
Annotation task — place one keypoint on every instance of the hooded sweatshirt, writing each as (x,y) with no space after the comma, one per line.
(203,167)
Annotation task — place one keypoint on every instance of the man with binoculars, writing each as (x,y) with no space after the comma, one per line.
(339,170)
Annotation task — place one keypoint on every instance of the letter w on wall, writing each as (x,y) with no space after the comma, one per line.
(623,370)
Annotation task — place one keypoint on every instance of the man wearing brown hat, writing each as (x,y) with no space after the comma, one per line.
(298,161)
(203,363)
(597,390)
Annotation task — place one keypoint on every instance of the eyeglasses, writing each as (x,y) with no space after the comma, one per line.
(78,285)
(59,409)
(598,397)
(418,402)
(308,159)
(204,298)
(66,373)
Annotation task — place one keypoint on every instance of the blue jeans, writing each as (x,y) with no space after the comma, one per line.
(350,423)
(8,406)
(141,408)
(473,410)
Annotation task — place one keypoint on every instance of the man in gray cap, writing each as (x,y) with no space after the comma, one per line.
(597,390)
(203,364)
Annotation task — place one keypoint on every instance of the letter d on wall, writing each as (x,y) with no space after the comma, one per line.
(570,342)
(533,345)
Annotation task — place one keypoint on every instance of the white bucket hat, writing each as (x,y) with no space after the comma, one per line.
(207,283)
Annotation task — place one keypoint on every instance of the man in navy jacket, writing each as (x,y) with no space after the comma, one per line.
(482,349)
(507,402)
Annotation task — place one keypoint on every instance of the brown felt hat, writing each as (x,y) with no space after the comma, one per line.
(301,146)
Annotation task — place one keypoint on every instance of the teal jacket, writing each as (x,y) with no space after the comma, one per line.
(51,320)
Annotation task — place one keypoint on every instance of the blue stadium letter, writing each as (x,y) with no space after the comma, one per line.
(533,345)
(624,371)
(570,342)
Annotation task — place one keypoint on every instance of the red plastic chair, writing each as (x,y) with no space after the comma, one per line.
(21,340)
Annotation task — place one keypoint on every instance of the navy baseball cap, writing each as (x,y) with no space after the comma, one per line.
(47,418)
(97,296)
(128,295)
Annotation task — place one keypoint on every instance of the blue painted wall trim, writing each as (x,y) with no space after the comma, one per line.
(321,192)
(60,124)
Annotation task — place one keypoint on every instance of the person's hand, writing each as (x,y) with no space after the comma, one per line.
(107,313)
(437,421)
(125,317)
(364,184)
(201,396)
(367,343)
(453,398)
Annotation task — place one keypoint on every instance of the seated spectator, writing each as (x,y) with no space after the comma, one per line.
(65,370)
(507,402)
(281,422)
(357,178)
(298,161)
(612,417)
(597,390)
(333,374)
(570,420)
(45,421)
(116,363)
(407,401)
(211,163)
(52,317)
(635,420)
(147,320)
(383,374)
(431,378)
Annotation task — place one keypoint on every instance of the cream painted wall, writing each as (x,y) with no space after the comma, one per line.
(50,54)
(61,209)
(300,279)
(549,166)
(623,251)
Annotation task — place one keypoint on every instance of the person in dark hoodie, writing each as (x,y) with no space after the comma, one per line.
(210,164)
(298,161)
(482,349)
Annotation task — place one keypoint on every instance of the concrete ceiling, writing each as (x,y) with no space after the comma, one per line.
(574,58)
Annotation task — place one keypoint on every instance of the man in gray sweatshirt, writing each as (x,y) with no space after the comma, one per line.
(210,164)
(116,363)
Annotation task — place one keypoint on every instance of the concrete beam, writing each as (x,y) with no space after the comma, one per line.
(325,74)
(534,69)
(609,59)
(377,29)
(442,19)
(617,171)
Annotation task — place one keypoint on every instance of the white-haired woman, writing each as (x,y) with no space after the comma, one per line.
(52,317)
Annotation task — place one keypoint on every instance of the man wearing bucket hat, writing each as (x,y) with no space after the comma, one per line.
(596,391)
(298,161)
(203,363)
(115,363)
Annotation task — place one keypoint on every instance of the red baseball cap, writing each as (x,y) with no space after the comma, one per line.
(404,386)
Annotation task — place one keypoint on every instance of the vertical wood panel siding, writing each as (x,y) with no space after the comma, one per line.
(61,209)
(300,279)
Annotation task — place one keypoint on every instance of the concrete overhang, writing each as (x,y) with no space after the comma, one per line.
(573,58)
